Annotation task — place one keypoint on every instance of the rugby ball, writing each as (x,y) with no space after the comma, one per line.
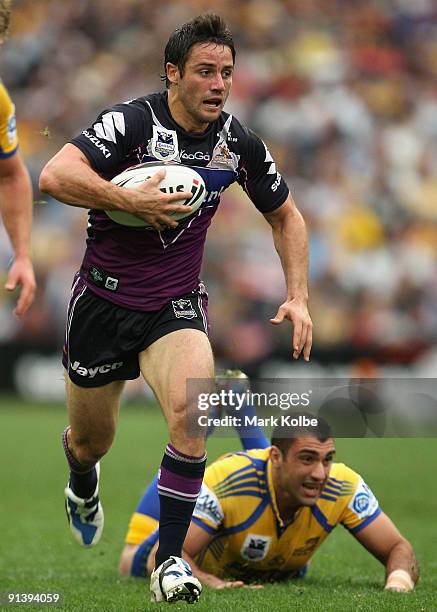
(178,178)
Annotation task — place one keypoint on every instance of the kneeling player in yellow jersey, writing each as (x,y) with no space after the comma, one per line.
(15,193)
(262,514)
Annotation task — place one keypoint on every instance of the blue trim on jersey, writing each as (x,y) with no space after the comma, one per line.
(231,476)
(260,464)
(368,520)
(207,528)
(336,480)
(328,497)
(240,493)
(241,485)
(221,487)
(333,484)
(10,154)
(321,519)
(139,562)
(328,489)
(248,522)
(149,503)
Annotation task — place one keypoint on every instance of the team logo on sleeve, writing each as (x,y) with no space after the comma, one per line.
(208,506)
(255,547)
(164,143)
(363,503)
(183,309)
(12,129)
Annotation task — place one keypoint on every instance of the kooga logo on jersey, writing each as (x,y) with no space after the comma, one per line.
(91,372)
(199,155)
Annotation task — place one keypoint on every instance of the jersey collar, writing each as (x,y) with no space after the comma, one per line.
(272,494)
(280,523)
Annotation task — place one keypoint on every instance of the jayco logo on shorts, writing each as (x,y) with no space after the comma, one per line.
(91,372)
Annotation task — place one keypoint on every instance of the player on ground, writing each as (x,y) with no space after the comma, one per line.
(15,193)
(262,514)
(137,303)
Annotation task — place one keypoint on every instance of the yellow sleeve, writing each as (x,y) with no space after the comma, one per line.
(213,504)
(361,507)
(8,128)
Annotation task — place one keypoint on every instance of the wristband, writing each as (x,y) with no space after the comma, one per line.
(399,580)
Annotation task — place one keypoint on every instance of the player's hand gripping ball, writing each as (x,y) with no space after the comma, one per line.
(178,178)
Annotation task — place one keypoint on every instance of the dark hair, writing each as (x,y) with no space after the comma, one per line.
(283,436)
(204,28)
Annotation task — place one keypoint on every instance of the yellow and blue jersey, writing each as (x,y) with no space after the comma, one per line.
(237,506)
(8,128)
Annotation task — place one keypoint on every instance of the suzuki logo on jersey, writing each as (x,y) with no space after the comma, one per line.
(97,142)
(164,144)
(110,124)
(255,547)
(91,372)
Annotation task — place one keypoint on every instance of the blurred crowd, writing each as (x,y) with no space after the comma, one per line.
(343,92)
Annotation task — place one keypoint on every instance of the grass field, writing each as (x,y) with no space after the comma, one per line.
(38,555)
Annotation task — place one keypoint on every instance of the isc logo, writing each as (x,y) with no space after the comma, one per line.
(172,189)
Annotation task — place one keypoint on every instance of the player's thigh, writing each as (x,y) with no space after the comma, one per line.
(93,411)
(173,359)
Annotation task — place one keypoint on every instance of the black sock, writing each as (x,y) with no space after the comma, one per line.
(83,479)
(180,479)
(83,485)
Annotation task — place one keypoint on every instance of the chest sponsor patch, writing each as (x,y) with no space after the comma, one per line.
(255,547)
(183,309)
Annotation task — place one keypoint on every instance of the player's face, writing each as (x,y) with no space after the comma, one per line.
(303,472)
(197,97)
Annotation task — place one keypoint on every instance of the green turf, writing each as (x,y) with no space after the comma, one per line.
(37,553)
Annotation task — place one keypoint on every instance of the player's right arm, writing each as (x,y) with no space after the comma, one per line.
(70,178)
(383,540)
(196,541)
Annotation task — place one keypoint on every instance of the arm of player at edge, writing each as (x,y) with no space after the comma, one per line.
(16,211)
(69,178)
(197,540)
(291,242)
(383,540)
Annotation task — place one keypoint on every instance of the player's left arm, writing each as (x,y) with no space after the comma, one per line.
(16,211)
(382,538)
(291,242)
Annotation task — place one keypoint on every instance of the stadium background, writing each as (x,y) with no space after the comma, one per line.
(344,94)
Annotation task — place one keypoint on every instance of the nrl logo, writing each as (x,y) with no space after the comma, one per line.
(164,144)
(183,309)
(255,547)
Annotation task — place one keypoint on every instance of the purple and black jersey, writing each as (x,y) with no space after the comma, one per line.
(143,269)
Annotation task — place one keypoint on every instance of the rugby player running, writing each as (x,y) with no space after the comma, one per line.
(137,305)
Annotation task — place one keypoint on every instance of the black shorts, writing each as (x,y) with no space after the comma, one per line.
(103,340)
